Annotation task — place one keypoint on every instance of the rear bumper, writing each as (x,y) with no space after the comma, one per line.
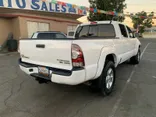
(73,77)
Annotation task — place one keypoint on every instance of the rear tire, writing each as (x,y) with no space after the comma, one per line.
(105,83)
(136,59)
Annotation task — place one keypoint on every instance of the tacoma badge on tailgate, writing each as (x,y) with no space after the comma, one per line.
(63,61)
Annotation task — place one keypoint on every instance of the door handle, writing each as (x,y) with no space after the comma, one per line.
(40,46)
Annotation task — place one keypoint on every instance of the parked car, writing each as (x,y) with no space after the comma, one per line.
(48,35)
(41,35)
(98,48)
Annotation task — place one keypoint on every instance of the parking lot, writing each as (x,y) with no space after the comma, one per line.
(134,94)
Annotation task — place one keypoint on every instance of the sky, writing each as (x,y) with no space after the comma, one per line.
(132,5)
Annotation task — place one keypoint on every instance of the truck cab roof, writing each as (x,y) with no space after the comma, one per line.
(101,22)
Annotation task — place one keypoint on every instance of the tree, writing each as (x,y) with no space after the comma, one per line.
(106,5)
(142,20)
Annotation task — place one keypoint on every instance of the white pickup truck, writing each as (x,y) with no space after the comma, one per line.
(92,56)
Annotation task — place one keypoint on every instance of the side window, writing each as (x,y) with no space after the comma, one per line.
(131,35)
(93,31)
(71,33)
(84,31)
(123,30)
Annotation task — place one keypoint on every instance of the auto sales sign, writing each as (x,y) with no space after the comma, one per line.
(40,5)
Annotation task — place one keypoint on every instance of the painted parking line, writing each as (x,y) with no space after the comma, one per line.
(145,49)
(149,60)
(150,53)
(154,77)
(145,74)
(151,49)
(115,107)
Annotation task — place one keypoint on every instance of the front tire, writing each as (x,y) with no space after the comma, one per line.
(107,79)
(136,59)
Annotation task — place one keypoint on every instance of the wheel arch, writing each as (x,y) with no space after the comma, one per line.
(111,57)
(103,58)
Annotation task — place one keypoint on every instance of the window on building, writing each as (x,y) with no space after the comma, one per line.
(33,27)
(123,30)
(71,33)
(71,28)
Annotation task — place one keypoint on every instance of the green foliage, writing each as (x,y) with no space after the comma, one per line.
(142,20)
(106,5)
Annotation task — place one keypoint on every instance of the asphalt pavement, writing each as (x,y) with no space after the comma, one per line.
(134,94)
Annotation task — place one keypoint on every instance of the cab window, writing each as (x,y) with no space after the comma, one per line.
(131,35)
(123,30)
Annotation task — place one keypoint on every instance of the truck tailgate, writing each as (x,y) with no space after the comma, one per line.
(51,53)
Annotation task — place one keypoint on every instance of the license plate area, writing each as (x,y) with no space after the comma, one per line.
(44,71)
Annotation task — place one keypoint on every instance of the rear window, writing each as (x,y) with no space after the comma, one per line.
(48,36)
(106,31)
(99,31)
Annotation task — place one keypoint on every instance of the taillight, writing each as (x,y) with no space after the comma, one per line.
(93,23)
(77,56)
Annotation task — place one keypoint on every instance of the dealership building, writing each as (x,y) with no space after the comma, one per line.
(24,17)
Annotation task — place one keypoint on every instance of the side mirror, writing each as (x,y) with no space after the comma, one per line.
(136,34)
(131,35)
